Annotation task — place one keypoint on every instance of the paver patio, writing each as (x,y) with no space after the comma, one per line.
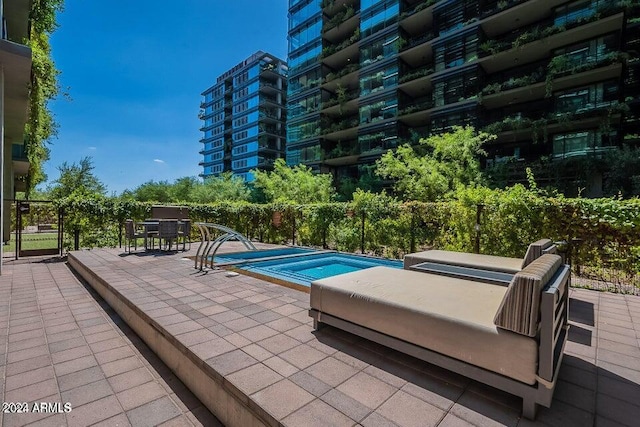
(59,344)
(257,337)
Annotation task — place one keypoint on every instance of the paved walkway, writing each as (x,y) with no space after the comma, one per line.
(59,343)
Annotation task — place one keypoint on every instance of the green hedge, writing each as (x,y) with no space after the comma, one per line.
(603,232)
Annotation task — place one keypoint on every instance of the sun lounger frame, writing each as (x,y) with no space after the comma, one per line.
(552,337)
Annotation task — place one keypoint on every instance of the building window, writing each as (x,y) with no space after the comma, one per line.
(575,11)
(382,16)
(457,51)
(304,81)
(589,51)
(582,99)
(303,106)
(378,141)
(455,89)
(306,57)
(454,15)
(379,50)
(446,122)
(301,131)
(305,12)
(379,80)
(304,35)
(380,110)
(296,156)
(581,143)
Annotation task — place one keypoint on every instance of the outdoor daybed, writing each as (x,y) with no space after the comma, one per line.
(511,338)
(481,261)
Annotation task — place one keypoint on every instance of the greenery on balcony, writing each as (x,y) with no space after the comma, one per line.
(339,18)
(331,127)
(494,46)
(422,6)
(515,82)
(404,44)
(343,72)
(539,126)
(416,74)
(330,50)
(499,7)
(419,106)
(343,150)
(566,65)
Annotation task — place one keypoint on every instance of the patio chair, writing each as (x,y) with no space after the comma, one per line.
(131,234)
(184,233)
(511,338)
(168,232)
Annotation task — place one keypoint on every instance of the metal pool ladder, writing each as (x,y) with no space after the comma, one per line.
(207,244)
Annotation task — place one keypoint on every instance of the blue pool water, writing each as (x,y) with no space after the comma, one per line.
(266,253)
(304,270)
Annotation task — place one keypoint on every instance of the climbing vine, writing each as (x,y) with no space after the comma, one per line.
(44,86)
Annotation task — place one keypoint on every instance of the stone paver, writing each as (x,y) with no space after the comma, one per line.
(259,337)
(306,377)
(64,345)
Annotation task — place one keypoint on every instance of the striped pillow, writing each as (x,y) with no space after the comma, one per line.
(535,250)
(519,310)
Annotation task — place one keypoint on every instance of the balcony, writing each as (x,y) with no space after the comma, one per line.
(351,68)
(16,63)
(339,130)
(339,18)
(537,125)
(545,29)
(327,51)
(343,100)
(560,73)
(416,74)
(416,18)
(19,158)
(346,151)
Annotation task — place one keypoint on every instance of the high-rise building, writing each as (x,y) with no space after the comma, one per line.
(244,115)
(15,76)
(554,79)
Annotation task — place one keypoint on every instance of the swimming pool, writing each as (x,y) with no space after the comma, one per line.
(263,253)
(304,270)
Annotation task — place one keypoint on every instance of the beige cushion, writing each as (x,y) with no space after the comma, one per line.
(463,259)
(535,250)
(451,316)
(519,311)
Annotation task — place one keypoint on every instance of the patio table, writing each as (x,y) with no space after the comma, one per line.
(151,226)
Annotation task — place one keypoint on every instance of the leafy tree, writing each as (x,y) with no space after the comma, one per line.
(223,188)
(182,189)
(438,166)
(293,185)
(77,179)
(152,191)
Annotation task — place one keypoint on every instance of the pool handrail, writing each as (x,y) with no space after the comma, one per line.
(206,244)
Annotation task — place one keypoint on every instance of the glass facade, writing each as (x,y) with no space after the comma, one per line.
(244,102)
(305,79)
(376,18)
(401,70)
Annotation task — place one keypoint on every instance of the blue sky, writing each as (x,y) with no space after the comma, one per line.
(134,72)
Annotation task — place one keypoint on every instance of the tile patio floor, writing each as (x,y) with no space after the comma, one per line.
(59,342)
(259,337)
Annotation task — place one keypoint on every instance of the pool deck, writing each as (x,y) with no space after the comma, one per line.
(246,348)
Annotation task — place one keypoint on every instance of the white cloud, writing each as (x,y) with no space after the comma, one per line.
(93,148)
(158,160)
